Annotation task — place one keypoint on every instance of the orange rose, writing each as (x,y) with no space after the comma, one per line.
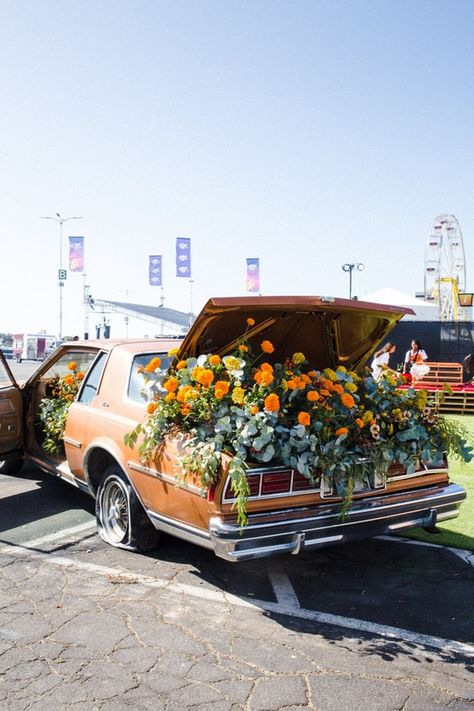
(214,360)
(205,377)
(304,419)
(348,400)
(221,388)
(153,365)
(272,403)
(171,384)
(267,346)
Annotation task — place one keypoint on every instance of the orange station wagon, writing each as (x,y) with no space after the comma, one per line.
(136,500)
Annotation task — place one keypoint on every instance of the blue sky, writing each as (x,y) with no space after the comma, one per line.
(308,134)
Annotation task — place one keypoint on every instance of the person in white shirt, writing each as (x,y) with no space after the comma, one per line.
(415,362)
(381,359)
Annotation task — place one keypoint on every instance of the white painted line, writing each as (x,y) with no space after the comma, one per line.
(65,533)
(466,556)
(283,589)
(118,576)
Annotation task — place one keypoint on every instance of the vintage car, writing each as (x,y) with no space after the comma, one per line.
(135,500)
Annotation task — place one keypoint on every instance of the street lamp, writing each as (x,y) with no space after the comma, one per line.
(348,268)
(62,272)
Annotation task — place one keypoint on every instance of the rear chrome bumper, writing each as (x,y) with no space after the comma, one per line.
(306,529)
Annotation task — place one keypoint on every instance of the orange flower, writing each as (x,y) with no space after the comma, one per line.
(153,365)
(338,388)
(205,377)
(169,397)
(267,367)
(221,388)
(360,423)
(304,419)
(182,364)
(185,409)
(272,403)
(151,407)
(263,377)
(324,392)
(267,346)
(214,360)
(348,400)
(171,384)
(80,376)
(243,348)
(68,379)
(254,409)
(250,322)
(342,431)
(312,396)
(72,365)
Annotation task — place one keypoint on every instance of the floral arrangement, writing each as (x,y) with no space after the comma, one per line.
(53,410)
(318,422)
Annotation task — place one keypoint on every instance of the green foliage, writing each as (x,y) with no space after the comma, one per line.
(53,410)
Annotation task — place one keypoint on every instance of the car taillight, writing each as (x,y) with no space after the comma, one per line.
(276,483)
(267,483)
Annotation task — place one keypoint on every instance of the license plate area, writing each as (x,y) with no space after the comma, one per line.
(365,479)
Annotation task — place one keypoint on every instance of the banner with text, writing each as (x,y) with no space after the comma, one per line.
(76,254)
(253,274)
(183,257)
(154,270)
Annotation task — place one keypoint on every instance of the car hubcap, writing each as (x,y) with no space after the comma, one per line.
(115,510)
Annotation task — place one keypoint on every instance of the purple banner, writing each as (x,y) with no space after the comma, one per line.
(183,257)
(154,270)
(76,254)
(253,274)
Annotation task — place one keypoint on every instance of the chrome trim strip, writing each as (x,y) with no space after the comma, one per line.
(181,530)
(72,442)
(164,477)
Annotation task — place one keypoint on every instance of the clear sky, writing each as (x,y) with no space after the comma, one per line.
(308,134)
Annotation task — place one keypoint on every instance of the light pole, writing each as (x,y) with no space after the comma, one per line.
(62,272)
(349,268)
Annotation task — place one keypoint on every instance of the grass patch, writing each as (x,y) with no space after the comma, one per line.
(459,532)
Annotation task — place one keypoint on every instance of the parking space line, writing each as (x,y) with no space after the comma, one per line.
(283,589)
(64,533)
(285,607)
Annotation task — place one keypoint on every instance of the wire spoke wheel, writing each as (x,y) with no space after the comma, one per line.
(115,510)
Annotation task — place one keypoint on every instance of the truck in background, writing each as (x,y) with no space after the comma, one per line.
(32,346)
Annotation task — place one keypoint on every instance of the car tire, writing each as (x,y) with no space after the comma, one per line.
(121,520)
(11,466)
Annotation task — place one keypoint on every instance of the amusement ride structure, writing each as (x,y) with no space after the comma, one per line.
(445,268)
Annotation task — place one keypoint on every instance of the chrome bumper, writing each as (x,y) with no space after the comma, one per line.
(308,529)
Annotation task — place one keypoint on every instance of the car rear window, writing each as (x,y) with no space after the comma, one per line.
(136,383)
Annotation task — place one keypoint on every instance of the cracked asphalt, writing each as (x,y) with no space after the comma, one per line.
(86,626)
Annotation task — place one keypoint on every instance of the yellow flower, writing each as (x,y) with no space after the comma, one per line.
(238,395)
(368,416)
(173,351)
(351,387)
(298,358)
(267,346)
(330,374)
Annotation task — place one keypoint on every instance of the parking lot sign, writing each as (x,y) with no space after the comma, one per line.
(62,274)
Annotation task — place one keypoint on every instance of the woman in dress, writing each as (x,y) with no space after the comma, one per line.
(415,362)
(381,359)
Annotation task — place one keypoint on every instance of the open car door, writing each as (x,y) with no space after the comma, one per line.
(11,418)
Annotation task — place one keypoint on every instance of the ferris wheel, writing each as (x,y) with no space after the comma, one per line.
(445,266)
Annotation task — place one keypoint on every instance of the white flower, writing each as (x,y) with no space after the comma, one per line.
(234,366)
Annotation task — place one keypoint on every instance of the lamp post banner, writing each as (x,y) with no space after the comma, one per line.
(183,257)
(76,254)
(253,274)
(154,270)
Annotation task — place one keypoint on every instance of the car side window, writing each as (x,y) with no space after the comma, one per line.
(136,381)
(5,379)
(91,382)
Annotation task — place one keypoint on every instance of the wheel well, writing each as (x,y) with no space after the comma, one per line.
(97,462)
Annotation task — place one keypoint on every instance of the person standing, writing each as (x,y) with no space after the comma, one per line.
(381,359)
(415,362)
